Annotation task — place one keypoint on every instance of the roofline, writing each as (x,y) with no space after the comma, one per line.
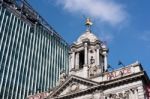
(105,84)
(17,9)
(71,77)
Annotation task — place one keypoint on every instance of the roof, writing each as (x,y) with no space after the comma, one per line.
(75,78)
(87,35)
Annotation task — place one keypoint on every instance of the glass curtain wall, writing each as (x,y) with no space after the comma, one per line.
(31,57)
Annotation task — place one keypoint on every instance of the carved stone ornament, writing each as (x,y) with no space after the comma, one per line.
(92,97)
(114,96)
(120,95)
(126,94)
(93,70)
(62,77)
(74,87)
(91,51)
(92,60)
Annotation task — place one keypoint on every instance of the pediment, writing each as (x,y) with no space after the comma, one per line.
(72,84)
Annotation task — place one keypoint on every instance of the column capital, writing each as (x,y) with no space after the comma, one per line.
(97,47)
(105,53)
(135,88)
(85,44)
(73,50)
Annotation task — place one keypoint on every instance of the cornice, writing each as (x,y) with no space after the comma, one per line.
(70,79)
(74,45)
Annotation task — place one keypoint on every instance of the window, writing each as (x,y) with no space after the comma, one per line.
(81,59)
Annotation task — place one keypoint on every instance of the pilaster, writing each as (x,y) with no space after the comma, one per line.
(97,56)
(105,61)
(141,92)
(73,59)
(77,60)
(86,54)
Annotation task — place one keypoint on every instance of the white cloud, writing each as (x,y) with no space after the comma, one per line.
(102,10)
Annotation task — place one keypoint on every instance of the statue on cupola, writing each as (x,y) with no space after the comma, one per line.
(88,55)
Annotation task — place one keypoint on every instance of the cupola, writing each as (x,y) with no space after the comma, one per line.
(88,55)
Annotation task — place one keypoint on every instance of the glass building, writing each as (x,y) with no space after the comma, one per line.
(32,53)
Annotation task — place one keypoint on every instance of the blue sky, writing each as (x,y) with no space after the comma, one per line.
(123,24)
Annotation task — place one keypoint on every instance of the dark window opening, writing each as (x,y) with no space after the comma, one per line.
(81,59)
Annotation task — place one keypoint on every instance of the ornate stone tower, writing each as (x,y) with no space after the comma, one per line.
(88,55)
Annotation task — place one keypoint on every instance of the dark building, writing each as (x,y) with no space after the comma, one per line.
(32,53)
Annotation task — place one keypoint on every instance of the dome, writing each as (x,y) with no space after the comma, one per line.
(87,35)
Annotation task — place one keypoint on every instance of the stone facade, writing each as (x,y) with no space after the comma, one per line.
(111,85)
(89,77)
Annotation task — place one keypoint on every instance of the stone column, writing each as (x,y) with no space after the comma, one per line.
(141,92)
(73,60)
(85,68)
(77,60)
(85,54)
(131,95)
(70,64)
(105,61)
(136,93)
(97,57)
(101,95)
(108,97)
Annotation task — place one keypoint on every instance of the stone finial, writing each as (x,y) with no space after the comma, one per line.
(88,23)
(63,77)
